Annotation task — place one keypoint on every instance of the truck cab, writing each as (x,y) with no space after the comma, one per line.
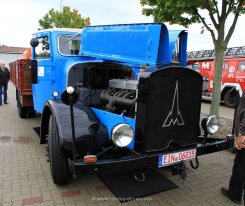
(56,52)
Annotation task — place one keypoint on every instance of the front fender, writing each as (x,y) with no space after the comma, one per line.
(47,111)
(90,134)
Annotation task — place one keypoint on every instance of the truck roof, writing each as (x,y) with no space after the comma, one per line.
(59,29)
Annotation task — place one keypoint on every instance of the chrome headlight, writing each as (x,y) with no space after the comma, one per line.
(210,124)
(122,135)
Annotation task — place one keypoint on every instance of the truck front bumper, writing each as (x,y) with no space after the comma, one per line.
(148,160)
(120,164)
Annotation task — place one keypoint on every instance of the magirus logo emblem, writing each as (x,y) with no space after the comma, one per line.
(174,116)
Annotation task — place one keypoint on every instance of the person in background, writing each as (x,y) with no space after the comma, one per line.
(4,79)
(237,180)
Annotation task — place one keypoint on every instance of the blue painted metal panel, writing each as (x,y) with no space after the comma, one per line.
(173,36)
(110,120)
(136,44)
(183,48)
(163,49)
(43,90)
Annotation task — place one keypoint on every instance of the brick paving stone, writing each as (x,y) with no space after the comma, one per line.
(60,205)
(216,164)
(6,204)
(32,200)
(80,203)
(70,194)
(101,188)
(6,199)
(45,203)
(20,197)
(17,203)
(57,199)
(47,196)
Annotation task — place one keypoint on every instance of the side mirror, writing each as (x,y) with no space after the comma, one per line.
(69,96)
(34,42)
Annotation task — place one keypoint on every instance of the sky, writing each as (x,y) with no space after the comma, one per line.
(19,20)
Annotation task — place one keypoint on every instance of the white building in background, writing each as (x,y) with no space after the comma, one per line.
(9,54)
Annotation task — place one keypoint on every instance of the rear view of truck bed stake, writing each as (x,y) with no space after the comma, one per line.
(122,99)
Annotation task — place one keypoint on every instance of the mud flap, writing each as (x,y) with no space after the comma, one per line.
(211,145)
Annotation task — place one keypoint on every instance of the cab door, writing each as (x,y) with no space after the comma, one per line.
(42,91)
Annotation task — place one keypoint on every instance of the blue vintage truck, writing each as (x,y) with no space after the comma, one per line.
(117,98)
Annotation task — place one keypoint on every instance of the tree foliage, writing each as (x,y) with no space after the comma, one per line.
(186,12)
(64,19)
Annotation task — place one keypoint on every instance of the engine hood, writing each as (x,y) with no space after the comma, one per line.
(141,44)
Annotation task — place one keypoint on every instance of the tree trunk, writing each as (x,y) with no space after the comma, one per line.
(216,96)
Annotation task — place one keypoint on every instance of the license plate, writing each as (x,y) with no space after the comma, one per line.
(172,158)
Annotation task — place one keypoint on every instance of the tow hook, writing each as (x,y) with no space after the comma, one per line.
(139,176)
(182,173)
(180,169)
(197,163)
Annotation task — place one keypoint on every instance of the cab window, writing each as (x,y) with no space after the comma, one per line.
(241,66)
(69,45)
(225,66)
(42,51)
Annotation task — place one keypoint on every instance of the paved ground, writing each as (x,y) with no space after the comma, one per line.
(225,112)
(25,176)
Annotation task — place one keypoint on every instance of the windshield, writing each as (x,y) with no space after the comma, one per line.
(175,56)
(69,45)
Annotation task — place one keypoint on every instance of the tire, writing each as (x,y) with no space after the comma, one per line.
(58,160)
(21,110)
(31,113)
(16,94)
(230,98)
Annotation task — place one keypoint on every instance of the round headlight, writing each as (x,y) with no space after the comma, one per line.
(55,94)
(210,124)
(122,135)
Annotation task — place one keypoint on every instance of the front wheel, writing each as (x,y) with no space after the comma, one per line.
(230,98)
(58,160)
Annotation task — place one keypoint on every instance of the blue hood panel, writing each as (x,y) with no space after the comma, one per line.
(133,44)
(173,36)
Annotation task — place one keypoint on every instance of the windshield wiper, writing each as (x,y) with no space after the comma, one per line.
(79,33)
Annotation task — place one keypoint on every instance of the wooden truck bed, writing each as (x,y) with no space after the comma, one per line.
(20,75)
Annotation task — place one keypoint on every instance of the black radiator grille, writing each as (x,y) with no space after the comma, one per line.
(168,109)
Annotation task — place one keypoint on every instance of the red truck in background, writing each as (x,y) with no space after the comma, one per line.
(233,75)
